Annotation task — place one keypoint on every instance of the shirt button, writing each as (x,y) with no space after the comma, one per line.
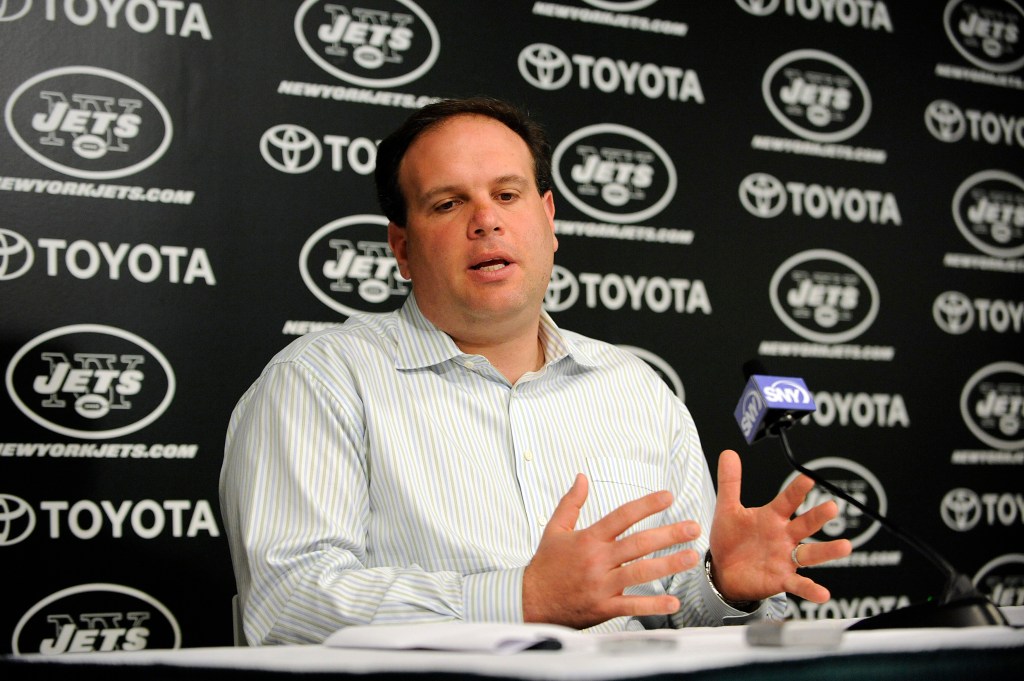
(542,521)
(528,455)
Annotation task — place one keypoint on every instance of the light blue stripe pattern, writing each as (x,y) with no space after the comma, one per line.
(374,473)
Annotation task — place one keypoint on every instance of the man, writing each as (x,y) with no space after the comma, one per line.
(413,466)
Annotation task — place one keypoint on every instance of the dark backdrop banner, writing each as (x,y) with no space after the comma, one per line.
(832,187)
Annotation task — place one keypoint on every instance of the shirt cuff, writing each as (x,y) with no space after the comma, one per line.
(495,596)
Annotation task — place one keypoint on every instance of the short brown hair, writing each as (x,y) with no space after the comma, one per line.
(392,149)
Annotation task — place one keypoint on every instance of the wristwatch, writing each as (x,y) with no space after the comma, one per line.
(745,606)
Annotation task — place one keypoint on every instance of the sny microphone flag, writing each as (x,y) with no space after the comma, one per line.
(768,399)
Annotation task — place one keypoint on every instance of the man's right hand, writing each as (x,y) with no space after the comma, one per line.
(577,577)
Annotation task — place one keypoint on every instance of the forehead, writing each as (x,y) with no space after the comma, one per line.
(470,139)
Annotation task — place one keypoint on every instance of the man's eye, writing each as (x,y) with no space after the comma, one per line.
(506,196)
(445,206)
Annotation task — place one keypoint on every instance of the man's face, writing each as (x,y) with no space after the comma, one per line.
(479,240)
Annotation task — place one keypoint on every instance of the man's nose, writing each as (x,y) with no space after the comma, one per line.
(484,221)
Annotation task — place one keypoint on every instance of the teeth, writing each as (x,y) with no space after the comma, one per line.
(491,265)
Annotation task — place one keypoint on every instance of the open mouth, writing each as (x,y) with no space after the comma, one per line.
(490,265)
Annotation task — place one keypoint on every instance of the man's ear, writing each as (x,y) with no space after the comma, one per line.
(549,210)
(399,243)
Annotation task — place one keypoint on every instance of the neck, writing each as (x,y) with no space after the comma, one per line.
(512,356)
(510,340)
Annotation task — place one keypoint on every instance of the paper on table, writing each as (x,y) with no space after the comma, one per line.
(495,638)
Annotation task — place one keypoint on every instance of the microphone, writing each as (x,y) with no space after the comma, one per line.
(771,404)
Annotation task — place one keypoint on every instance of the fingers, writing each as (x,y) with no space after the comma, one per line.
(567,512)
(816,553)
(639,606)
(578,577)
(807,555)
(789,499)
(650,569)
(730,474)
(813,520)
(629,514)
(646,542)
(807,589)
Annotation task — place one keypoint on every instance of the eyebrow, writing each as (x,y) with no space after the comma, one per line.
(518,181)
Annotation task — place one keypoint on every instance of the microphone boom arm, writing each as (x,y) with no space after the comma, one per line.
(957,586)
(770,405)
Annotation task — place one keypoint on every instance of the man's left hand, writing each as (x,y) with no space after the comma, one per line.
(752,548)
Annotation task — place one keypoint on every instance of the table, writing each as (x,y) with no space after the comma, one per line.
(705,653)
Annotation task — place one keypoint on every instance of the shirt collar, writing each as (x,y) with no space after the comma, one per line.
(421,344)
(559,345)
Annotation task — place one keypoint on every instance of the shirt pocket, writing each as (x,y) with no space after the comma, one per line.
(614,482)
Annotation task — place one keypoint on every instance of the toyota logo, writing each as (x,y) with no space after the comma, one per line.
(961,509)
(290,148)
(17,519)
(16,255)
(545,66)
(762,195)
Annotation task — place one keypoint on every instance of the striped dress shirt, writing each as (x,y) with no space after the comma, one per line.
(375,473)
